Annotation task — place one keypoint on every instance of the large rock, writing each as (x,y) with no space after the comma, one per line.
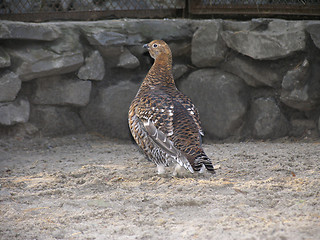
(10,85)
(52,120)
(254,73)
(271,40)
(29,31)
(68,42)
(59,90)
(301,87)
(101,37)
(107,112)
(4,58)
(178,70)
(208,48)
(128,60)
(109,33)
(149,29)
(180,49)
(221,99)
(36,62)
(267,120)
(111,54)
(15,112)
(313,28)
(93,69)
(303,128)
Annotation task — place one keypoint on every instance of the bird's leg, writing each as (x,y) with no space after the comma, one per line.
(178,170)
(161,169)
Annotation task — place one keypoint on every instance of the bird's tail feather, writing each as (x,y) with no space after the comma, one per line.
(203,160)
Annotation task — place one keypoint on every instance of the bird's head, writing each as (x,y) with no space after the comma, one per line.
(157,47)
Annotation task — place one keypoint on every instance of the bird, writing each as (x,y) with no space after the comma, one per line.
(163,121)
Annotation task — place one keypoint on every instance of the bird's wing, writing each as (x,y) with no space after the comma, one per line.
(155,111)
(191,109)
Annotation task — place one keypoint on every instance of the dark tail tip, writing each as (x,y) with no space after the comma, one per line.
(203,160)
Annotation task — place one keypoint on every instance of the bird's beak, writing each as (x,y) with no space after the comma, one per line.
(146,46)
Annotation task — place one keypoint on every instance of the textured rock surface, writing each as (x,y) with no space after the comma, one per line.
(160,29)
(300,87)
(267,119)
(14,112)
(10,85)
(268,40)
(178,70)
(128,60)
(180,48)
(102,38)
(36,62)
(221,99)
(303,128)
(107,112)
(313,28)
(255,74)
(62,91)
(4,58)
(93,69)
(30,31)
(208,48)
(53,121)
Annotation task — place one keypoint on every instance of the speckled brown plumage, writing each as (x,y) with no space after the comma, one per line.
(163,121)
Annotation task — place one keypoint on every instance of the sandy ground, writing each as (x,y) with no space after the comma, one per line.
(89,187)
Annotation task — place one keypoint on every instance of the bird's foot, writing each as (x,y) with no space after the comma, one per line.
(178,170)
(161,169)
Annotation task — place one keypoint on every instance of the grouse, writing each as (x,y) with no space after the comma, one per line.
(163,121)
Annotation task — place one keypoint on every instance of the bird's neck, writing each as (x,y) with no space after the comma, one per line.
(160,73)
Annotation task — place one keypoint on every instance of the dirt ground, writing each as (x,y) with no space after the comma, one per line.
(90,187)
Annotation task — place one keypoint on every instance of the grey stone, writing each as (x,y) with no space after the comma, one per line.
(53,121)
(179,70)
(68,42)
(5,60)
(234,26)
(110,33)
(10,85)
(313,28)
(179,49)
(267,120)
(128,60)
(303,128)
(254,73)
(301,87)
(102,38)
(58,90)
(30,31)
(15,112)
(221,99)
(107,112)
(208,48)
(275,39)
(93,69)
(150,29)
(23,130)
(111,54)
(36,62)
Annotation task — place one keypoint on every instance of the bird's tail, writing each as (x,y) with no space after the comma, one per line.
(203,160)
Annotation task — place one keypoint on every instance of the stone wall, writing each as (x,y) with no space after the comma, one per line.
(254,79)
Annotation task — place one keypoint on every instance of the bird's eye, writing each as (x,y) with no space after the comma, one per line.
(154,45)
